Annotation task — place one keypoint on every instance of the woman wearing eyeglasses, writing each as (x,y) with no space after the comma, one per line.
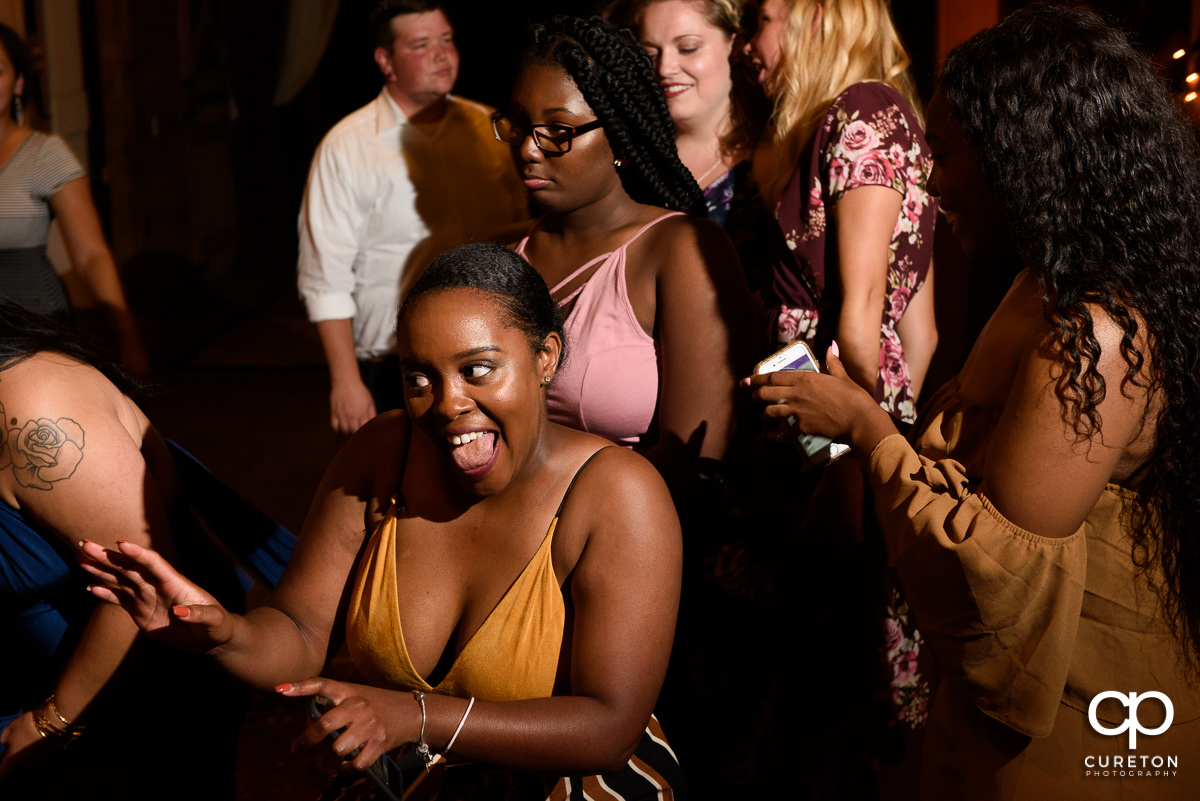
(656,309)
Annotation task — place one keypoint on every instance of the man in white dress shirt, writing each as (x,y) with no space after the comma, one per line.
(411,174)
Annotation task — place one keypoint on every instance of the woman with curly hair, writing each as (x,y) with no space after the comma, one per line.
(1044,517)
(846,178)
(649,291)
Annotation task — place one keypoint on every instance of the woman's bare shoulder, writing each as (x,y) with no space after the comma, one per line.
(373,453)
(611,480)
(48,375)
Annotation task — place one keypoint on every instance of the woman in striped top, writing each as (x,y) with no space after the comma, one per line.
(41,179)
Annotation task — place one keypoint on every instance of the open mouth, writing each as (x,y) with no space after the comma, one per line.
(674,89)
(474,452)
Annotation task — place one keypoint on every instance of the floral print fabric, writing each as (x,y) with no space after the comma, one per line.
(869,137)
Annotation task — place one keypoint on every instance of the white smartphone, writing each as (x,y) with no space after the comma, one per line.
(796,355)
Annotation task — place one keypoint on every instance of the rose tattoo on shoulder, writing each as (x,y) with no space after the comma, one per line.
(41,451)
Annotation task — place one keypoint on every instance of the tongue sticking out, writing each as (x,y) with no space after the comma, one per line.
(475,453)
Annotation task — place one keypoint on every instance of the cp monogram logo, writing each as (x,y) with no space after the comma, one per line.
(1131,722)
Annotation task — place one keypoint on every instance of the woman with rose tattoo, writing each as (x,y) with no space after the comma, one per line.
(78,459)
(845,174)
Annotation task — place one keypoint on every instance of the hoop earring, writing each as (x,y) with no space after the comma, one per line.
(19,108)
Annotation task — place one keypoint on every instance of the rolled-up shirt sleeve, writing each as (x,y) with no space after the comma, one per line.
(331,225)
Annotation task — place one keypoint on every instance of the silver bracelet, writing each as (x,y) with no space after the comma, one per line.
(423,747)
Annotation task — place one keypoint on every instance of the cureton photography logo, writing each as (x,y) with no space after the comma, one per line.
(1129,764)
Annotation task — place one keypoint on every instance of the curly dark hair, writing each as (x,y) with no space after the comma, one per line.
(499,271)
(1098,175)
(617,80)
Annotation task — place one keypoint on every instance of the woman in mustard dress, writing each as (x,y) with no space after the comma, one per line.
(506,586)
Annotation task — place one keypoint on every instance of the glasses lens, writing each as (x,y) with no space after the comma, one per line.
(505,131)
(553,138)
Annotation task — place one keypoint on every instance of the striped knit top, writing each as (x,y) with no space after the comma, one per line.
(41,165)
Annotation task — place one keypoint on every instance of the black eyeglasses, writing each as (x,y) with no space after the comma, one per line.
(552,139)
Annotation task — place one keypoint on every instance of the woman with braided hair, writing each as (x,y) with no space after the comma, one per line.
(649,289)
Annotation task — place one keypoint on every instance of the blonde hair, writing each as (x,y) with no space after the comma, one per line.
(855,40)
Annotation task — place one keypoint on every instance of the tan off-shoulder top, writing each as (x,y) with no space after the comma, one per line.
(1027,630)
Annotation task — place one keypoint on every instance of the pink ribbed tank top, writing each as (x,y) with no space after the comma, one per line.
(609,383)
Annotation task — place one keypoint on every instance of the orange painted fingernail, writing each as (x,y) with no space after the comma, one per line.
(181,611)
(283,688)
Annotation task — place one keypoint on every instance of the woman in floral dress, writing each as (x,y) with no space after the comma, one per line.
(847,181)
(845,172)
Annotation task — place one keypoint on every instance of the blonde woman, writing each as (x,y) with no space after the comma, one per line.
(848,189)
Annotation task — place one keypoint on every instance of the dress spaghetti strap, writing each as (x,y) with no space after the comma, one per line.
(575,478)
(603,256)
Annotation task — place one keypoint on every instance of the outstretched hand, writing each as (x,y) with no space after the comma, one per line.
(365,722)
(829,404)
(162,603)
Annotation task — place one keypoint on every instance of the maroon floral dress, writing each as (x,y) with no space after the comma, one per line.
(869,137)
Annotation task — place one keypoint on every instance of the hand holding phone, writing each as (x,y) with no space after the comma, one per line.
(816,450)
(383,772)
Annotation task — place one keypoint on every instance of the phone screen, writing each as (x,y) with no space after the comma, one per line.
(804,362)
(817,450)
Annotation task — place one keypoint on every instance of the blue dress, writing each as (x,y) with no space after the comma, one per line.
(44,608)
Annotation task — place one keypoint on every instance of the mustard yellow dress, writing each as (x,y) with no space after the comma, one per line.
(514,655)
(1028,630)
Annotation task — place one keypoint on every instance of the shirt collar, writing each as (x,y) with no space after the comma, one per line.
(388,113)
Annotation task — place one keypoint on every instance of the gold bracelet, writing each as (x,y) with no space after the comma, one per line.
(49,729)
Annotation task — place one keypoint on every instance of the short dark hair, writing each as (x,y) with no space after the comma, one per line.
(384,11)
(504,274)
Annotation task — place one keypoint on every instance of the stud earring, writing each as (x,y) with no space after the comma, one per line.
(545,379)
(617,163)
